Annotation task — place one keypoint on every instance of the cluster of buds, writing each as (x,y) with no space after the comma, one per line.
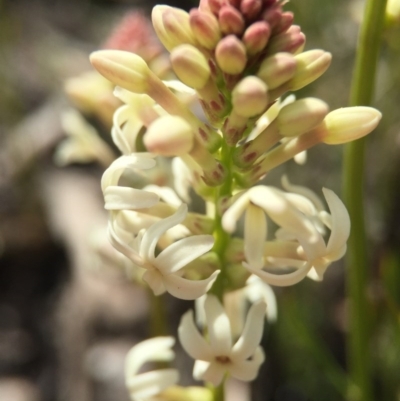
(224,124)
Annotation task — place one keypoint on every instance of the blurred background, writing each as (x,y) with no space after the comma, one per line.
(68,317)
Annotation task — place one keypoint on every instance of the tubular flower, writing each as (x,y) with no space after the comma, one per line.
(220,356)
(146,386)
(162,271)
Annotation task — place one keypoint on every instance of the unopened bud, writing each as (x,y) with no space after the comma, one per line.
(277,69)
(256,37)
(190,65)
(250,8)
(205,28)
(393,12)
(172,26)
(215,5)
(301,116)
(350,123)
(272,15)
(235,3)
(284,23)
(310,66)
(290,41)
(169,136)
(250,97)
(231,55)
(124,69)
(230,20)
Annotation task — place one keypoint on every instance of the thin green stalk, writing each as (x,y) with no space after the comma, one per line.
(353,169)
(219,392)
(158,317)
(221,236)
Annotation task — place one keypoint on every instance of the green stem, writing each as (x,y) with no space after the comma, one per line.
(222,238)
(219,392)
(353,169)
(158,321)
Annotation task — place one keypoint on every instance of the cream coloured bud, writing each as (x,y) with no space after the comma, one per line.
(169,136)
(205,28)
(256,37)
(124,69)
(231,55)
(250,97)
(190,66)
(277,69)
(301,116)
(172,26)
(393,12)
(350,123)
(310,66)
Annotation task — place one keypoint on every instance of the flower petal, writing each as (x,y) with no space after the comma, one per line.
(132,162)
(154,232)
(246,345)
(219,327)
(214,373)
(148,384)
(340,230)
(280,280)
(182,288)
(192,341)
(182,252)
(122,247)
(255,232)
(154,279)
(248,370)
(153,349)
(233,213)
(125,198)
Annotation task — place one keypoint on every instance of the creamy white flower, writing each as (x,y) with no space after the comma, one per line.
(280,207)
(236,304)
(162,271)
(295,214)
(220,356)
(119,198)
(146,386)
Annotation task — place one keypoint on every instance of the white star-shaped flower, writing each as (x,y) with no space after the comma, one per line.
(296,215)
(220,356)
(163,271)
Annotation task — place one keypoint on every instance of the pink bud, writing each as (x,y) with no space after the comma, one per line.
(230,20)
(272,15)
(290,41)
(205,27)
(256,37)
(231,55)
(250,8)
(284,23)
(215,5)
(234,3)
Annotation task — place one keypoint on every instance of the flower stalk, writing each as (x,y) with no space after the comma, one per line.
(362,90)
